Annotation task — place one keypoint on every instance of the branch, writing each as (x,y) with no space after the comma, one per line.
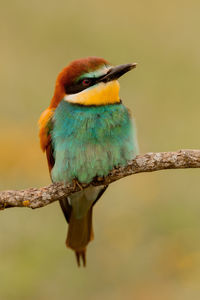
(149,162)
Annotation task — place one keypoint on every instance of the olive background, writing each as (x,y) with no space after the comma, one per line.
(147,226)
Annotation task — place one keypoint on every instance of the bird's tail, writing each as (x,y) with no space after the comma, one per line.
(80,233)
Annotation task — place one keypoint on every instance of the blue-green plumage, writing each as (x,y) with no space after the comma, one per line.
(90,141)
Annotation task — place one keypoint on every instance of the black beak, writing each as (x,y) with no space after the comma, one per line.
(116,72)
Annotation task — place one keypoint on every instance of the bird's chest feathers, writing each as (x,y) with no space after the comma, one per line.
(90,141)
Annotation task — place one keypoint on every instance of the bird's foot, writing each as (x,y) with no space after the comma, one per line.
(76,183)
(3,206)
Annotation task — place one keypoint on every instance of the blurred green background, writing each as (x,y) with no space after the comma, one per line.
(147,226)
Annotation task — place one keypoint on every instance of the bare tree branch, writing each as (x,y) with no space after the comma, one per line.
(149,162)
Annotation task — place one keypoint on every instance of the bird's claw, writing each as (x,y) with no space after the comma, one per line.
(2,206)
(76,183)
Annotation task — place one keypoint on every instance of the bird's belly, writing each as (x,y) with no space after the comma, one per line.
(91,143)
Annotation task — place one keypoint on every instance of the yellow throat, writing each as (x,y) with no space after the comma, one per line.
(99,94)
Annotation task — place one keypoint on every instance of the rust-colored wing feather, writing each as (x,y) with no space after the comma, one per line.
(45,126)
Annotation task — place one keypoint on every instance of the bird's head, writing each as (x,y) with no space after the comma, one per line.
(89,81)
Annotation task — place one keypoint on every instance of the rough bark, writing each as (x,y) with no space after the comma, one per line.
(149,162)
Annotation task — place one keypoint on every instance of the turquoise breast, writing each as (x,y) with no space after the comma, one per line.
(90,141)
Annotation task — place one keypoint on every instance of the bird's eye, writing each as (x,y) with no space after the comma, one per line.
(86,82)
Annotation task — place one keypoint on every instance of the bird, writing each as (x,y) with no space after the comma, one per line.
(86,132)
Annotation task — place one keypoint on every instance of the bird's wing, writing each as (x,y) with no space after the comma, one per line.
(45,127)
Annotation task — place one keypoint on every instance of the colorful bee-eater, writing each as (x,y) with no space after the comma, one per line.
(86,131)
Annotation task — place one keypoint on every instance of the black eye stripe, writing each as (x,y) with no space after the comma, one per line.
(79,86)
